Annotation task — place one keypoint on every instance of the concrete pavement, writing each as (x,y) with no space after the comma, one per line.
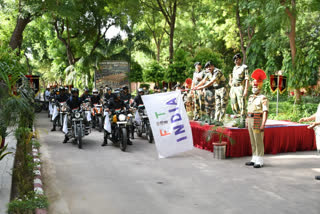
(6,166)
(98,180)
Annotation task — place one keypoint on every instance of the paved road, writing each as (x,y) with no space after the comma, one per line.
(98,180)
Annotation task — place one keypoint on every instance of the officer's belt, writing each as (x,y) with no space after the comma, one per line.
(237,84)
(219,86)
(254,115)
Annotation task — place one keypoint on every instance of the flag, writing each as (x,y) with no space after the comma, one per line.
(169,123)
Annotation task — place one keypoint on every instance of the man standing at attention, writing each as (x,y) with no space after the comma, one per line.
(258,107)
(239,83)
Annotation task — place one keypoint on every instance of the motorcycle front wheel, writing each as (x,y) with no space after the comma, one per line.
(149,134)
(79,139)
(100,123)
(123,139)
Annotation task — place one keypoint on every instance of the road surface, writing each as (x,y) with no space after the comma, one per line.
(105,180)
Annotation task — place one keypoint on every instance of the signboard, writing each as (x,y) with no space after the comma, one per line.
(112,73)
(169,123)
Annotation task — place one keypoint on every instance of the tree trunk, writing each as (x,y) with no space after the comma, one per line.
(243,50)
(158,52)
(17,35)
(292,40)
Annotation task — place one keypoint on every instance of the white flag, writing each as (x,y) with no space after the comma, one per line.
(107,124)
(65,124)
(169,122)
(55,112)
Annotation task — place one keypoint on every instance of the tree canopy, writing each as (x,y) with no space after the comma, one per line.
(65,40)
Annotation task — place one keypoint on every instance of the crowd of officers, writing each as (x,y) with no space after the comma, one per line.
(209,95)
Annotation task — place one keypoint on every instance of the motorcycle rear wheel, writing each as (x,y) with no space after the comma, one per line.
(100,123)
(149,134)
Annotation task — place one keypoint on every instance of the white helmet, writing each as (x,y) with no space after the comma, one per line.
(95,91)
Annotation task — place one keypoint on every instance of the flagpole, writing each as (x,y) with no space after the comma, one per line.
(277,94)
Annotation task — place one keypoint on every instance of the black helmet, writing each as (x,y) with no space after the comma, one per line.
(140,90)
(125,88)
(237,56)
(109,89)
(209,63)
(61,88)
(74,90)
(117,94)
(86,89)
(165,89)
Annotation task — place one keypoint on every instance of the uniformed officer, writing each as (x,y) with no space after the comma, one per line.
(198,96)
(239,83)
(221,93)
(209,98)
(258,107)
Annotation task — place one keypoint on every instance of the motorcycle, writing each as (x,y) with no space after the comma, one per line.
(78,128)
(120,124)
(97,113)
(144,125)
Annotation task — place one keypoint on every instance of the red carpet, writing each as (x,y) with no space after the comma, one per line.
(280,136)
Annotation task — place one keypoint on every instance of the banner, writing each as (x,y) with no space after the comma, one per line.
(169,123)
(274,83)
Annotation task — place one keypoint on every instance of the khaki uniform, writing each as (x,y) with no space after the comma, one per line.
(257,104)
(187,98)
(221,94)
(238,102)
(198,98)
(209,99)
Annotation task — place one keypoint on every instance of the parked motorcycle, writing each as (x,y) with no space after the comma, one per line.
(97,114)
(144,126)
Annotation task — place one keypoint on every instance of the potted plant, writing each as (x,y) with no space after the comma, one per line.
(220,146)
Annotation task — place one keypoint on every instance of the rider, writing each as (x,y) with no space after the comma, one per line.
(62,97)
(109,95)
(115,104)
(73,102)
(85,94)
(125,95)
(95,99)
(138,100)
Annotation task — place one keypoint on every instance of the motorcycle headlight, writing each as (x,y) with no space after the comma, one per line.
(144,112)
(77,115)
(122,117)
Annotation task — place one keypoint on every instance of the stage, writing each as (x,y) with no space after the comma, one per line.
(279,137)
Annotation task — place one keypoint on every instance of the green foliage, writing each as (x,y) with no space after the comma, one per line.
(153,73)
(3,151)
(28,203)
(136,72)
(178,71)
(147,86)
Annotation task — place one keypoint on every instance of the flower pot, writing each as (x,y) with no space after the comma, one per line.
(219,150)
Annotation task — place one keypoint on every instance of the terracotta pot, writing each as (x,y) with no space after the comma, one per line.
(219,150)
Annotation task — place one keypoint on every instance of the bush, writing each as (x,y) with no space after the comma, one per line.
(28,203)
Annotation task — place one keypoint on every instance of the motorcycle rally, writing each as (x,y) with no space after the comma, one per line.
(115,112)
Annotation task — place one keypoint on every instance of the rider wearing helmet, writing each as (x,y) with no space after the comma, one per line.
(138,100)
(125,95)
(85,94)
(95,98)
(73,102)
(116,103)
(62,97)
(109,95)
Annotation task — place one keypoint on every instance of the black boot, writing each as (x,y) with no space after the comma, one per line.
(53,129)
(66,138)
(105,143)
(317,177)
(129,142)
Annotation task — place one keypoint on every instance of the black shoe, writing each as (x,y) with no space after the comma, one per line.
(257,166)
(250,163)
(104,144)
(65,140)
(129,142)
(53,129)
(317,177)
